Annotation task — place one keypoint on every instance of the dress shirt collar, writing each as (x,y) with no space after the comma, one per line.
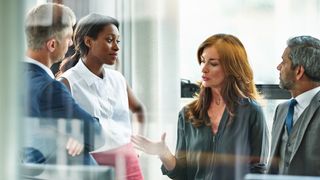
(305,98)
(87,75)
(42,66)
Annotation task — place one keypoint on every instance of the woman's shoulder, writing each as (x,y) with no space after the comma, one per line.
(184,111)
(71,74)
(186,108)
(182,121)
(252,104)
(72,71)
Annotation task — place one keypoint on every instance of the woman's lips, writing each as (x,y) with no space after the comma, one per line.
(114,55)
(205,78)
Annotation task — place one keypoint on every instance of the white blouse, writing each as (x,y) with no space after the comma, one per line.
(106,99)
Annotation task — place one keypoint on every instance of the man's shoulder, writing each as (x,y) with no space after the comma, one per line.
(283,105)
(39,80)
(35,79)
(32,71)
(31,67)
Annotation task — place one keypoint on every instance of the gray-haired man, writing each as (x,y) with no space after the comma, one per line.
(295,147)
(49,30)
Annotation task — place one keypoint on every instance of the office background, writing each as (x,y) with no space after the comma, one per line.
(159,40)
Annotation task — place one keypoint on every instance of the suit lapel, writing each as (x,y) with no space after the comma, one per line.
(306,117)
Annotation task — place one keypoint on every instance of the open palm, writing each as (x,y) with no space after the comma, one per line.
(150,147)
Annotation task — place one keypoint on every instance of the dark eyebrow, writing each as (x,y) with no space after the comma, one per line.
(112,34)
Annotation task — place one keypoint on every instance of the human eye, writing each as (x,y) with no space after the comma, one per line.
(214,64)
(109,40)
(283,61)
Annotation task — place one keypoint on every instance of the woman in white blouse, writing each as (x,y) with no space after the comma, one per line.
(103,91)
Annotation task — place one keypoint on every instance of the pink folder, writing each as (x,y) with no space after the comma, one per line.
(124,159)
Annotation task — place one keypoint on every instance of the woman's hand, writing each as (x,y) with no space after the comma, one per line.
(150,147)
(155,148)
(74,147)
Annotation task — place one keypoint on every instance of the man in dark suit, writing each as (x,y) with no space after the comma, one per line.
(49,31)
(295,147)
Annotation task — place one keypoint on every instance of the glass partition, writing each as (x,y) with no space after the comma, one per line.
(44,151)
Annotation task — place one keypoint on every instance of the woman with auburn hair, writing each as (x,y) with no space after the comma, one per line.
(222,134)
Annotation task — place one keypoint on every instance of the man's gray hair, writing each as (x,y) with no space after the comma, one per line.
(45,21)
(305,51)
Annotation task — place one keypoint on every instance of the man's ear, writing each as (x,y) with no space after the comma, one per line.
(87,41)
(299,72)
(51,44)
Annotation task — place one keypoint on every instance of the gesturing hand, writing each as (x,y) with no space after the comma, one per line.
(74,147)
(150,147)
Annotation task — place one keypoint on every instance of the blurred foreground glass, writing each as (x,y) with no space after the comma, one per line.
(44,154)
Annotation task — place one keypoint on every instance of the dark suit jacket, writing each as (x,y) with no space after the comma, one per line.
(47,98)
(305,157)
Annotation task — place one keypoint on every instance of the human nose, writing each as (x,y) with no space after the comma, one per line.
(204,68)
(116,46)
(279,67)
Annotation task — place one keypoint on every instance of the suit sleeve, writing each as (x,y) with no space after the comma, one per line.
(57,102)
(180,170)
(259,141)
(273,163)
